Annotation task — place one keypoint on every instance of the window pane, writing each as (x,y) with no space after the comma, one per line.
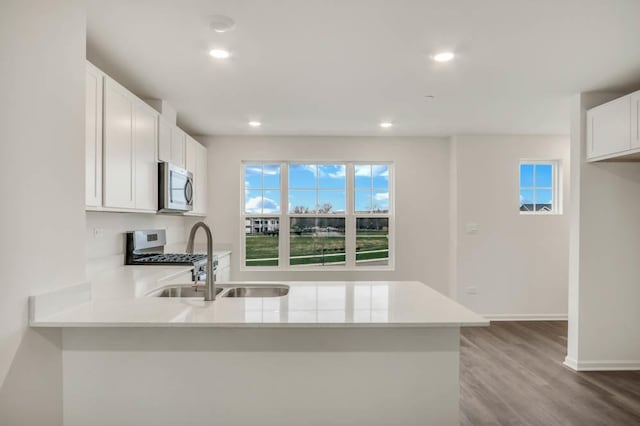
(271,201)
(363,176)
(372,241)
(271,176)
(253,201)
(380,201)
(544,200)
(331,201)
(302,176)
(302,201)
(380,176)
(544,175)
(363,201)
(526,176)
(253,176)
(317,241)
(261,241)
(332,176)
(526,200)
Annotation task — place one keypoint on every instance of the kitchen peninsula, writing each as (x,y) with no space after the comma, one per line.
(339,353)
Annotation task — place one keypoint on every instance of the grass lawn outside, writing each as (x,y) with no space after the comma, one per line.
(262,250)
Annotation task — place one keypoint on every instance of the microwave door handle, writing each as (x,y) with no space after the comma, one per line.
(188,191)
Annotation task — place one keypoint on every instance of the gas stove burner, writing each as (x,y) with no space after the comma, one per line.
(172,258)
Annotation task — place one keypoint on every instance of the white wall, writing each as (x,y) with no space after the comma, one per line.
(517,263)
(604,308)
(105,235)
(422,198)
(42,46)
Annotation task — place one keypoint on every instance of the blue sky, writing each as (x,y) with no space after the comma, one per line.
(536,182)
(372,187)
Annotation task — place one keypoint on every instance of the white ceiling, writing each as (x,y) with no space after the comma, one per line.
(341,66)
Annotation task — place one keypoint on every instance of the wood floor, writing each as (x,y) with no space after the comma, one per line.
(512,374)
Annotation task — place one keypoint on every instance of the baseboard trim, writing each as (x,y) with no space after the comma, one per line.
(526,317)
(601,365)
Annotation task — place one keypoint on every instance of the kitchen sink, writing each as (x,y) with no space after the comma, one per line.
(258,291)
(183,291)
(223,290)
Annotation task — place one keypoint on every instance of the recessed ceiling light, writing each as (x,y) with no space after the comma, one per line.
(222,23)
(386,124)
(219,53)
(443,56)
(255,124)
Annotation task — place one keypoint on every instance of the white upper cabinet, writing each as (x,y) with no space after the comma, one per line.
(94,79)
(635,120)
(130,144)
(146,161)
(124,140)
(164,140)
(196,163)
(201,188)
(608,128)
(119,109)
(613,130)
(178,147)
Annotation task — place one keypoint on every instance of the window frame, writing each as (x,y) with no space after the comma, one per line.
(556,186)
(349,215)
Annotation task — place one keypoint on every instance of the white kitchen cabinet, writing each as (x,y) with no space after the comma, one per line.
(130,166)
(178,145)
(608,128)
(202,186)
(613,130)
(94,79)
(196,163)
(118,146)
(635,120)
(191,154)
(146,160)
(164,140)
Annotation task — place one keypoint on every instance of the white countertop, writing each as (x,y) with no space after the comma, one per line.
(118,298)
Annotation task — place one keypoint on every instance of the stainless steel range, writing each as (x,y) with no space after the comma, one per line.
(146,247)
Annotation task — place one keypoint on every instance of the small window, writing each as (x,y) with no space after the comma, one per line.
(539,188)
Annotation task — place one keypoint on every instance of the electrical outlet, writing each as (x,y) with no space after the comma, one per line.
(471,228)
(98,232)
(471,290)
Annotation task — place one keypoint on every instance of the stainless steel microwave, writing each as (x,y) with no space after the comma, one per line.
(176,189)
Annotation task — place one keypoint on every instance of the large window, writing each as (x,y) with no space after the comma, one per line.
(539,187)
(337,215)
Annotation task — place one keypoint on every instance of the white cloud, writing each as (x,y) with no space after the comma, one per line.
(380,170)
(363,170)
(261,204)
(271,169)
(375,170)
(381,196)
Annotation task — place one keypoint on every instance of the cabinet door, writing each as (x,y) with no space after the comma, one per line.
(146,163)
(164,140)
(178,142)
(635,120)
(93,136)
(608,128)
(191,151)
(201,188)
(118,167)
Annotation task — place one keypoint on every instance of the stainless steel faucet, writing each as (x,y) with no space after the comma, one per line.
(210,290)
